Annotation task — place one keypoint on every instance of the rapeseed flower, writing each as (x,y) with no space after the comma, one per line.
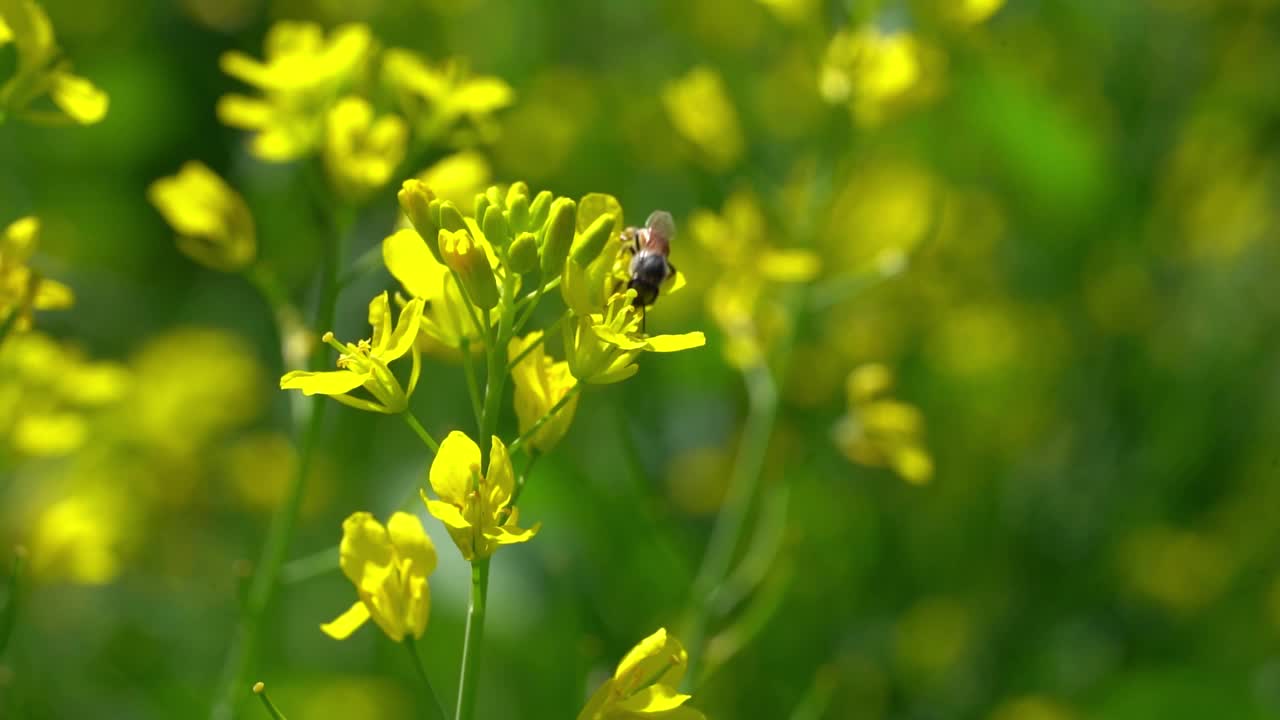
(302,75)
(362,151)
(22,289)
(446,322)
(214,225)
(699,107)
(601,348)
(880,431)
(43,72)
(474,506)
(438,99)
(389,566)
(644,685)
(878,72)
(540,383)
(365,363)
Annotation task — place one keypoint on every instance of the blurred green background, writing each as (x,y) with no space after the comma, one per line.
(1054,219)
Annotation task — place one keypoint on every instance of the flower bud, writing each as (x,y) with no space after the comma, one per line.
(416,201)
(451,217)
(482,204)
(465,257)
(518,213)
(495,227)
(593,239)
(559,236)
(538,210)
(517,189)
(522,256)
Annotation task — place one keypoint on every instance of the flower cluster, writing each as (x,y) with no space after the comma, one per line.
(22,288)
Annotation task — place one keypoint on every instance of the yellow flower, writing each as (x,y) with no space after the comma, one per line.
(364,364)
(42,71)
(474,506)
(880,431)
(389,567)
(701,111)
(445,318)
(435,99)
(468,258)
(80,538)
(458,177)
(22,290)
(644,685)
(213,222)
(740,298)
(878,73)
(302,75)
(362,152)
(540,383)
(602,347)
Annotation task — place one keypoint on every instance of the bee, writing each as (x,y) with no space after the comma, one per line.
(649,247)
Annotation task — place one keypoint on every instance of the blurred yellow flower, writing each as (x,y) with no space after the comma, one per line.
(22,290)
(48,394)
(365,363)
(882,432)
(973,12)
(389,567)
(740,298)
(602,347)
(302,75)
(213,222)
(78,539)
(43,72)
(474,506)
(878,72)
(645,684)
(437,99)
(540,382)
(445,318)
(361,152)
(699,107)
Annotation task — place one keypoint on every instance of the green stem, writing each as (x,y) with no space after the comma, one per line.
(471,641)
(473,387)
(533,301)
(266,578)
(495,372)
(9,615)
(534,345)
(434,711)
(261,691)
(427,440)
(726,536)
(569,396)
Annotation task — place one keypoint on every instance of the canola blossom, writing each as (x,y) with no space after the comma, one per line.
(645,684)
(214,225)
(389,566)
(366,363)
(475,506)
(303,73)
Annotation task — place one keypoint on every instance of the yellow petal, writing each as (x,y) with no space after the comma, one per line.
(365,553)
(380,319)
(448,514)
(333,382)
(243,112)
(509,535)
(410,262)
(412,544)
(406,330)
(676,343)
(500,478)
(78,98)
(348,622)
(455,468)
(653,699)
(483,95)
(793,266)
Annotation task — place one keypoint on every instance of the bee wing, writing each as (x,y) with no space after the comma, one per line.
(662,229)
